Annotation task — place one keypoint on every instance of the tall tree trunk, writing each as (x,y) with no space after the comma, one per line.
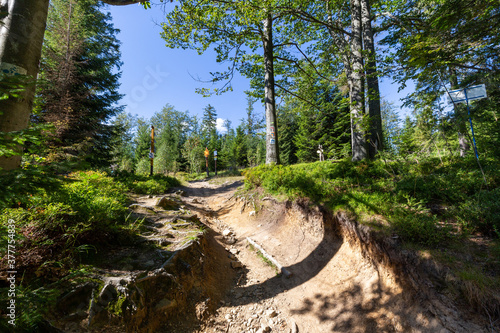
(21,39)
(272,147)
(376,134)
(359,149)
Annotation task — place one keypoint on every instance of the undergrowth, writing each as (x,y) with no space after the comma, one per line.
(139,184)
(424,202)
(61,221)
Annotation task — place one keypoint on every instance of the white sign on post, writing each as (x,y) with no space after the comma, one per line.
(473,93)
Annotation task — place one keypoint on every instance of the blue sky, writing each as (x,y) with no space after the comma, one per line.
(154,75)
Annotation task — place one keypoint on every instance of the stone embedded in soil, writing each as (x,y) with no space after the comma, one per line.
(167,203)
(264,329)
(236,264)
(230,240)
(271,313)
(165,305)
(142,209)
(234,251)
(108,293)
(181,193)
(227,233)
(293,326)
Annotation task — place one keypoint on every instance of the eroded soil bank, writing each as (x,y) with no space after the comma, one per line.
(344,277)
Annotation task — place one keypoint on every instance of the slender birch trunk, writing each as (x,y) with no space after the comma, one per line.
(359,147)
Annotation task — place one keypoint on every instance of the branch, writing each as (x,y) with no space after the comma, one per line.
(303,70)
(229,75)
(122,2)
(297,96)
(310,18)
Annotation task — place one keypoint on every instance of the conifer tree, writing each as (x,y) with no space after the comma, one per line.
(79,90)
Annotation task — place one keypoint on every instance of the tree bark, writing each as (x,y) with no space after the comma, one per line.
(359,149)
(272,147)
(373,91)
(463,144)
(21,38)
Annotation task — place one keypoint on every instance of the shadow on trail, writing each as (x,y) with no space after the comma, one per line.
(302,271)
(358,307)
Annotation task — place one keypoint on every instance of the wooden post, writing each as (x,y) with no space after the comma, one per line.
(207,153)
(152,151)
(215,160)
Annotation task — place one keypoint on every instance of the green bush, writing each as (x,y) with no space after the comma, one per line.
(94,196)
(481,213)
(39,301)
(402,192)
(139,184)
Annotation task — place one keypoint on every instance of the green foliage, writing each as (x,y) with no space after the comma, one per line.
(324,121)
(287,131)
(38,300)
(122,143)
(95,197)
(78,86)
(405,194)
(171,131)
(480,212)
(157,184)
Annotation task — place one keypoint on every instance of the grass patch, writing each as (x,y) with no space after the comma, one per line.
(424,203)
(57,227)
(62,221)
(139,184)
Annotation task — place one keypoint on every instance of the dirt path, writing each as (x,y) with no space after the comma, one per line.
(332,287)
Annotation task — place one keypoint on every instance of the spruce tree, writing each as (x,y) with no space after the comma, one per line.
(79,90)
(288,127)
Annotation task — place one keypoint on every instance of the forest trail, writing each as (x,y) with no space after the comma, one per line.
(333,288)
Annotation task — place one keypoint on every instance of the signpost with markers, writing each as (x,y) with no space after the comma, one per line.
(152,150)
(207,153)
(464,96)
(273,136)
(215,160)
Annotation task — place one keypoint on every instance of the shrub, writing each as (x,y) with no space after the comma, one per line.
(400,191)
(95,197)
(138,184)
(481,213)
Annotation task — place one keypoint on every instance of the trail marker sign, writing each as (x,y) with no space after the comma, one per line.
(467,94)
